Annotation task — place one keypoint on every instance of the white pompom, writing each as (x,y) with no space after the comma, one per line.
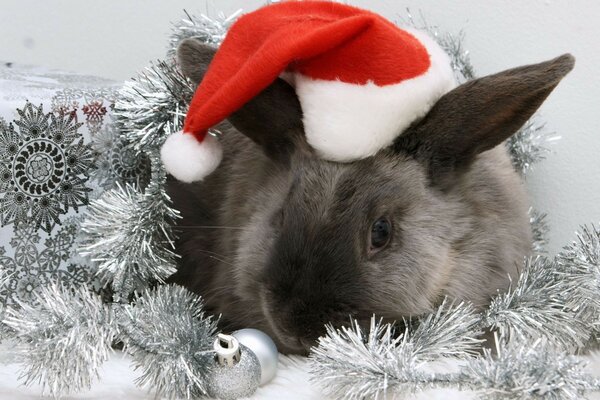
(189,160)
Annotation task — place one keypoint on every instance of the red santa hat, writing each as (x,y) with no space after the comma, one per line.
(360,79)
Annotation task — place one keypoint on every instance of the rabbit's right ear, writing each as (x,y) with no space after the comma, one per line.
(479,115)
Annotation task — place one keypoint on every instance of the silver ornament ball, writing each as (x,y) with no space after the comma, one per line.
(236,372)
(264,348)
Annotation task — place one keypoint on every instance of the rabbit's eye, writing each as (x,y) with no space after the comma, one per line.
(381,231)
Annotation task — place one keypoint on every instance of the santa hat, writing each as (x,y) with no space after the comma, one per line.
(360,79)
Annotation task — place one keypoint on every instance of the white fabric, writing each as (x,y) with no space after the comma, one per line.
(291,383)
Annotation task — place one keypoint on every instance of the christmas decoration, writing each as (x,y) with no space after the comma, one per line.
(65,331)
(152,106)
(81,328)
(48,164)
(127,234)
(50,178)
(237,373)
(170,340)
(263,348)
(328,52)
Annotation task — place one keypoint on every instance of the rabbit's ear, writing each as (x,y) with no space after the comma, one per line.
(480,114)
(194,57)
(272,119)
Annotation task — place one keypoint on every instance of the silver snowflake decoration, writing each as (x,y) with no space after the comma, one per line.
(32,262)
(44,167)
(117,161)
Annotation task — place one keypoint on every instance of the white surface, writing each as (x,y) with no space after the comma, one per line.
(117,382)
(291,383)
(114,39)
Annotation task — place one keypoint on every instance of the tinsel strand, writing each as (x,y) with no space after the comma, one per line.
(350,363)
(580,262)
(5,331)
(170,340)
(152,106)
(65,338)
(526,370)
(208,30)
(535,306)
(128,234)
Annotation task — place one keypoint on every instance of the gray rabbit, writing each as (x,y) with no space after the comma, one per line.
(283,241)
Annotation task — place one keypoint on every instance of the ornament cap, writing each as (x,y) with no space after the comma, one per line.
(227,348)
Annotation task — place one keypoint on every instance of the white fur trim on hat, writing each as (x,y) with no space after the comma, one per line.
(346,122)
(189,160)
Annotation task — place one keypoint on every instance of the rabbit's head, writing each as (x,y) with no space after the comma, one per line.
(391,234)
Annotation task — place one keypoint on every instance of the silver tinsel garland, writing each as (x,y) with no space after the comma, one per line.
(537,306)
(170,340)
(350,363)
(127,233)
(153,105)
(527,370)
(580,262)
(66,337)
(206,29)
(4,329)
(551,310)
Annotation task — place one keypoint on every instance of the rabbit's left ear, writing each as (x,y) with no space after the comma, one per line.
(194,57)
(481,114)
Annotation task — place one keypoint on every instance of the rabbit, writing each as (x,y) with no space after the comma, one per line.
(281,240)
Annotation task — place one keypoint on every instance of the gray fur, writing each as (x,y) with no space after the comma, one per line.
(279,243)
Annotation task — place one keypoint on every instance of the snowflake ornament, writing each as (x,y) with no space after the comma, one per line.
(44,167)
(94,113)
(32,262)
(117,161)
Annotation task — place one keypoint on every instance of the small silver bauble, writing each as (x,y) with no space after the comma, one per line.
(236,372)
(264,348)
